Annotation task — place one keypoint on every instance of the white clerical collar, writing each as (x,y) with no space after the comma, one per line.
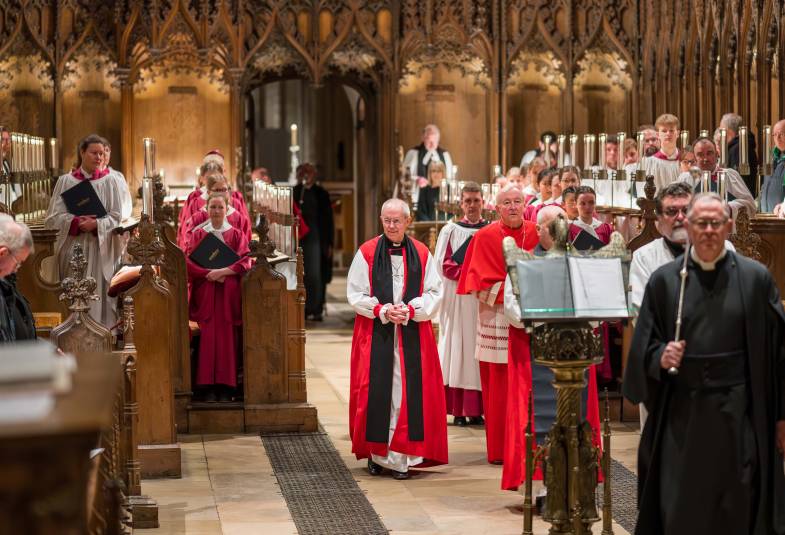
(207,226)
(707,266)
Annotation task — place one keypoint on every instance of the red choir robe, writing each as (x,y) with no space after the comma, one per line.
(421,428)
(234,217)
(197,200)
(217,308)
(484,267)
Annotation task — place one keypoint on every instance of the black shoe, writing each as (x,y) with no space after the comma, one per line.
(374,469)
(539,503)
(476,420)
(460,421)
(211,396)
(400,476)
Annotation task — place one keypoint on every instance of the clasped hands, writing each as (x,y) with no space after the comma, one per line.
(87,223)
(219,275)
(397,314)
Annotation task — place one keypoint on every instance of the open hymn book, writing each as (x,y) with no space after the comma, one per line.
(571,287)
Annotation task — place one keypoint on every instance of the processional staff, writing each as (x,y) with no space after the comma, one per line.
(683,273)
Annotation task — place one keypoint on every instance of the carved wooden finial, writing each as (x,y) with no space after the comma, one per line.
(264,247)
(647,205)
(145,247)
(161,213)
(78,290)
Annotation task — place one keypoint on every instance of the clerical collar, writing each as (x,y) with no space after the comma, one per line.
(707,266)
(676,249)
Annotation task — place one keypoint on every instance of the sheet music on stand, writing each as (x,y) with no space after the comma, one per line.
(572,287)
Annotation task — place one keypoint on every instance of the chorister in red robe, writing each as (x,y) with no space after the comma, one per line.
(196,202)
(217,307)
(483,274)
(397,414)
(234,217)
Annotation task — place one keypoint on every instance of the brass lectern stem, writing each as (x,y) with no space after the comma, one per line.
(607,513)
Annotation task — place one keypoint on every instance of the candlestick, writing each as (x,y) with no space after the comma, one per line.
(723,147)
(586,150)
(573,149)
(722,184)
(767,151)
(28,153)
(592,149)
(744,161)
(685,138)
(705,181)
(147,144)
(704,133)
(639,139)
(147,197)
(547,140)
(560,155)
(454,172)
(601,150)
(621,138)
(293,129)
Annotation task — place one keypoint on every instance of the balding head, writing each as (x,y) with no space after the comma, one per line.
(395,216)
(545,217)
(509,205)
(705,154)
(778,133)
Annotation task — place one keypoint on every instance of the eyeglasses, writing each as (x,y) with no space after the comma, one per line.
(391,222)
(511,202)
(778,134)
(703,224)
(673,212)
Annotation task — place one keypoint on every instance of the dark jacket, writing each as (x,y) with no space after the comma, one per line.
(752,155)
(323,223)
(16,318)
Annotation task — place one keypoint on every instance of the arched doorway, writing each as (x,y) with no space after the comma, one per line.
(335,132)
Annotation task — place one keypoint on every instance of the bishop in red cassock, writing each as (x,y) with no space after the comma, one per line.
(397,414)
(215,303)
(483,275)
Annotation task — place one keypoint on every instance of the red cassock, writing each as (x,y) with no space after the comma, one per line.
(217,308)
(236,218)
(484,266)
(194,203)
(433,445)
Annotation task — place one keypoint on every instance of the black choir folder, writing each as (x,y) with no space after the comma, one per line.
(82,200)
(571,287)
(212,253)
(585,241)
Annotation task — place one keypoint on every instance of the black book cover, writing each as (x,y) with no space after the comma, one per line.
(212,253)
(586,242)
(82,200)
(460,254)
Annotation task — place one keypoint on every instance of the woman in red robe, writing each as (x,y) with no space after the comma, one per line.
(215,303)
(197,198)
(236,214)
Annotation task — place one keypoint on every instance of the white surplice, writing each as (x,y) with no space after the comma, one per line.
(591,229)
(493,328)
(664,171)
(457,318)
(125,194)
(358,293)
(103,251)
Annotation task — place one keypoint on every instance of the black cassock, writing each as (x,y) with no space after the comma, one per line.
(707,461)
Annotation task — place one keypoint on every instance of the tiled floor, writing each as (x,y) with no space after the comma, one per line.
(228,487)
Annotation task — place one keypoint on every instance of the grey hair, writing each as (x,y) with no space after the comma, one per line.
(431,128)
(506,189)
(549,212)
(396,203)
(731,121)
(704,197)
(14,235)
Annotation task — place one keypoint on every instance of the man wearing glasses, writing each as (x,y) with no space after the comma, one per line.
(772,192)
(707,158)
(716,429)
(16,244)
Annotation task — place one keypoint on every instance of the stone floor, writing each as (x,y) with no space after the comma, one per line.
(228,487)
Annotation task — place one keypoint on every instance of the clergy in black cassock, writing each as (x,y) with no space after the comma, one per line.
(710,458)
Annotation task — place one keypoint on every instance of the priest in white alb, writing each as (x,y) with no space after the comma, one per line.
(458,314)
(102,247)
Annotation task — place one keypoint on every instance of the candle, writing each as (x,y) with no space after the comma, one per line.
(621,138)
(722,184)
(486,193)
(560,158)
(592,143)
(723,147)
(547,140)
(454,172)
(496,171)
(705,180)
(685,139)
(639,136)
(27,159)
(743,149)
(601,150)
(767,155)
(573,149)
(586,152)
(704,133)
(161,174)
(148,156)
(147,197)
(293,129)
